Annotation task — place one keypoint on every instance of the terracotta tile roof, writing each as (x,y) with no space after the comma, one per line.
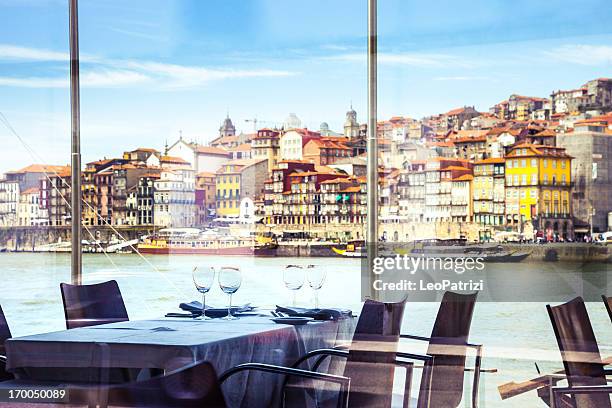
(31,190)
(145,149)
(243,162)
(337,180)
(463,134)
(39,168)
(211,150)
(455,111)
(173,159)
(540,150)
(546,133)
(498,130)
(470,139)
(239,164)
(491,160)
(205,174)
(461,168)
(465,177)
(244,147)
(441,144)
(352,189)
(304,174)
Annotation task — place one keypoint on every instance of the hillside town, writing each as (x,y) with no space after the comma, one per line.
(536,166)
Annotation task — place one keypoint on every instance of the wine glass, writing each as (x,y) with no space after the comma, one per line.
(230,279)
(316,279)
(294,279)
(203,278)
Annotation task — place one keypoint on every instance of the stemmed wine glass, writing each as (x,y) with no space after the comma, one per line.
(230,279)
(316,279)
(203,278)
(294,279)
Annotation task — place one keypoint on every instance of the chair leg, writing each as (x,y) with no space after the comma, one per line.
(407,388)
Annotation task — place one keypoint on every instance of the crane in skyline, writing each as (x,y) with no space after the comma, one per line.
(255,121)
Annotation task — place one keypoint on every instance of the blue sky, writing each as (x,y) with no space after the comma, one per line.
(153,68)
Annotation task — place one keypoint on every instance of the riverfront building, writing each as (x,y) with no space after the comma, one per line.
(538,184)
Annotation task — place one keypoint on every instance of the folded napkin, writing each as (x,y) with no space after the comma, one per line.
(195,307)
(317,314)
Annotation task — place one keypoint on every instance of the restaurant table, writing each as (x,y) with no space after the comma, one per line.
(170,343)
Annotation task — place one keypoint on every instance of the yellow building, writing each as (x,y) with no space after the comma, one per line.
(538,183)
(227,185)
(489,191)
(237,181)
(522,110)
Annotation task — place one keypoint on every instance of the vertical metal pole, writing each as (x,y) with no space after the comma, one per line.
(75,111)
(372,144)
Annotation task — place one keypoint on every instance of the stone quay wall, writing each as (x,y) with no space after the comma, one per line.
(27,239)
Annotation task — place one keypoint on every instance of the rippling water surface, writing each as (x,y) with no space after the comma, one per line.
(515,335)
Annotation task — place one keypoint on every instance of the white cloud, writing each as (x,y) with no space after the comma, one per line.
(406,59)
(99,72)
(181,76)
(96,79)
(12,52)
(460,78)
(334,47)
(582,54)
(34,82)
(110,78)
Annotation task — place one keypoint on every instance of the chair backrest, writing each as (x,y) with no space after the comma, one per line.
(193,386)
(442,379)
(372,353)
(91,305)
(5,334)
(579,351)
(608,302)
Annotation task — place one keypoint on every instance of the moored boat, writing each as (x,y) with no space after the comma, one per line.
(194,241)
(440,249)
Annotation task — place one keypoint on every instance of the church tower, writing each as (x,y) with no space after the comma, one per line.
(351,126)
(227,128)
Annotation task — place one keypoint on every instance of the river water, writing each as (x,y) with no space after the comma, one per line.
(515,335)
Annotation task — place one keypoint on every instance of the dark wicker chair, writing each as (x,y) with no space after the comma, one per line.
(608,302)
(5,334)
(584,370)
(194,386)
(444,364)
(91,305)
(371,357)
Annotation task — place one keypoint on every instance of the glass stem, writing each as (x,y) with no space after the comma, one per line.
(229,308)
(316,298)
(204,305)
(295,298)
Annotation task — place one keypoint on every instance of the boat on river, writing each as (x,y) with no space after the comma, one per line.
(439,249)
(208,242)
